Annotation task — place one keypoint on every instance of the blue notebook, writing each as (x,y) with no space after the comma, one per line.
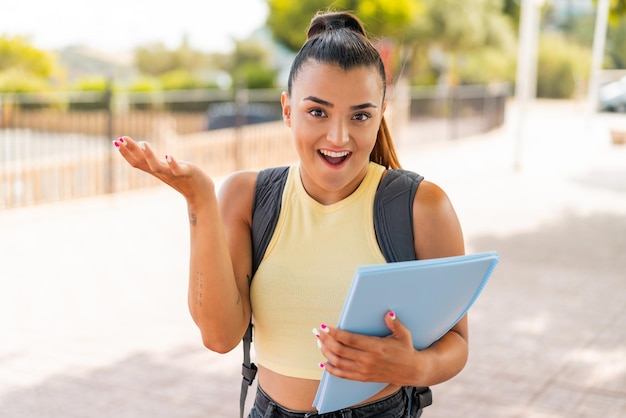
(428,296)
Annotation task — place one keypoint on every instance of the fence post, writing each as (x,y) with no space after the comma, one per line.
(241,103)
(453,115)
(108,102)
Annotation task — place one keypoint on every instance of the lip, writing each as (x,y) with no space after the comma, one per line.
(326,154)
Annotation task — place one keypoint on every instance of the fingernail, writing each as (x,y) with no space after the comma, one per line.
(121,140)
(117,145)
(142,145)
(168,158)
(392,315)
(319,343)
(324,328)
(315,332)
(322,365)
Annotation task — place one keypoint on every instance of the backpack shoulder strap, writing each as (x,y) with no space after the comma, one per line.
(268,193)
(393,222)
(393,214)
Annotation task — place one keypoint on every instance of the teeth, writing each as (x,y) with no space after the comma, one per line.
(334,154)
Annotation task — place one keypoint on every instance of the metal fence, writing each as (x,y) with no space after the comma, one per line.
(57,146)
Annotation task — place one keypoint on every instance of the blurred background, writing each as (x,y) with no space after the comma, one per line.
(517,108)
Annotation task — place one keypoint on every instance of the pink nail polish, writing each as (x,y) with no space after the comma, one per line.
(322,365)
(121,139)
(117,145)
(315,332)
(392,315)
(324,328)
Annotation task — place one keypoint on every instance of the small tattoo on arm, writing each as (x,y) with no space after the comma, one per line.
(192,219)
(198,295)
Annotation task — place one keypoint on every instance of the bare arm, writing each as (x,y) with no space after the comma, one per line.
(438,234)
(218,295)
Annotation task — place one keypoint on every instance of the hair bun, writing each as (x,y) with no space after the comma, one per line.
(334,21)
(335,24)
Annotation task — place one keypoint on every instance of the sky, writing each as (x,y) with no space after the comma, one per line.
(122,25)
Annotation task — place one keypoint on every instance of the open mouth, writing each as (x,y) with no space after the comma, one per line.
(334,157)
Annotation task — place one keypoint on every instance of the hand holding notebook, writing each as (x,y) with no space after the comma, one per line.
(430,297)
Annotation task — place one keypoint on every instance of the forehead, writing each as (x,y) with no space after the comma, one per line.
(358,84)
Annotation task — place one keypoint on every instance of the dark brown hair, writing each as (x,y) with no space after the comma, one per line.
(339,38)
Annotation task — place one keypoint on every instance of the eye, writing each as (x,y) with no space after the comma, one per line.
(362,116)
(317,112)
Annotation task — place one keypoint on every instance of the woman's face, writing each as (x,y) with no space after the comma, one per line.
(334,116)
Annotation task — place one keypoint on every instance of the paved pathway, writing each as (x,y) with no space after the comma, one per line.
(94,322)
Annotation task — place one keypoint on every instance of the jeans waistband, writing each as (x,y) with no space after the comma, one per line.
(393,405)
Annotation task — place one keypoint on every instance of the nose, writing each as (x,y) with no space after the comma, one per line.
(338,133)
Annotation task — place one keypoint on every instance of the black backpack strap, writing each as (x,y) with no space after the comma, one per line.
(393,214)
(248,369)
(393,222)
(268,193)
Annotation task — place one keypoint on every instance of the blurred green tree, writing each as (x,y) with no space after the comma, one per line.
(563,66)
(289,20)
(616,45)
(432,39)
(469,41)
(24,68)
(250,66)
(156,59)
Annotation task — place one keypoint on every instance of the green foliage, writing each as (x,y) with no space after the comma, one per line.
(615,45)
(16,80)
(256,76)
(487,65)
(99,85)
(92,83)
(23,68)
(458,26)
(145,84)
(17,53)
(470,33)
(180,79)
(561,65)
(469,42)
(156,59)
(250,66)
(289,20)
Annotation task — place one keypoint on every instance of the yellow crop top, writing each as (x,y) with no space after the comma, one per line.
(306,272)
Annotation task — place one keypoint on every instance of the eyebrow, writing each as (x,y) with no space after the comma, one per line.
(328,104)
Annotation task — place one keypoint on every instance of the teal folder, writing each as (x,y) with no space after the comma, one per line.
(428,296)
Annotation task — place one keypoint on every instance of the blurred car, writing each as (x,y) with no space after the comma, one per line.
(229,115)
(612,96)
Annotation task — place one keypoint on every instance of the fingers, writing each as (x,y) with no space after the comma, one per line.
(397,328)
(141,155)
(133,152)
(359,357)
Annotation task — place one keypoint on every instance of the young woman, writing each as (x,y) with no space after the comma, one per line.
(334,107)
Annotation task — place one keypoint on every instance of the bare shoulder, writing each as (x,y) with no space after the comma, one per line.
(236,195)
(430,199)
(436,227)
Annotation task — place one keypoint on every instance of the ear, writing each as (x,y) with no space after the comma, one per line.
(384,106)
(284,101)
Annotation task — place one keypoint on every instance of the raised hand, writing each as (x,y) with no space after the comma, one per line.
(184,177)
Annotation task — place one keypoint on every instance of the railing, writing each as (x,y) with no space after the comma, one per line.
(50,152)
(456,112)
